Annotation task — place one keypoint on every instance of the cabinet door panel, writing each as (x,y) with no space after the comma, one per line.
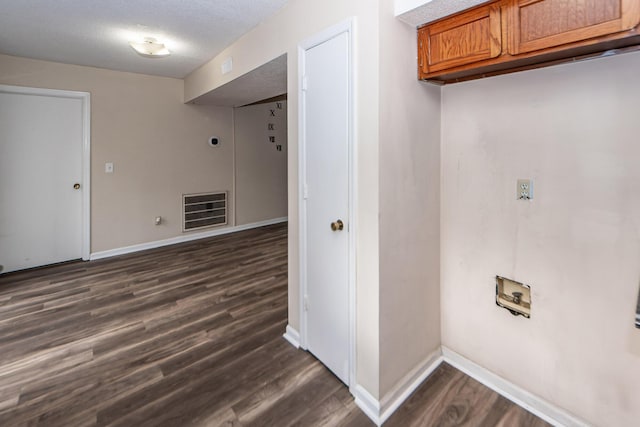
(541,24)
(469,37)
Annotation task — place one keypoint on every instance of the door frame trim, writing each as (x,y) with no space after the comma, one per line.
(85,97)
(347,26)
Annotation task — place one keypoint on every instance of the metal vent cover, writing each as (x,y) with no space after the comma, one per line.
(204,210)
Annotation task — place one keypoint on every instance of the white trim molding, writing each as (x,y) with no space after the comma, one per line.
(367,403)
(181,239)
(86,173)
(380,411)
(407,385)
(293,336)
(532,403)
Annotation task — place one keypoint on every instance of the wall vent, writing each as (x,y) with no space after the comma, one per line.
(204,210)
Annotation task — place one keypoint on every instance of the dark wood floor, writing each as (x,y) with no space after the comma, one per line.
(450,398)
(189,335)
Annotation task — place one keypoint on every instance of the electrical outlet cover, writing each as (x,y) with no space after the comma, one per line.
(524,189)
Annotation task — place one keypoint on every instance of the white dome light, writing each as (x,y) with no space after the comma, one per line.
(150,48)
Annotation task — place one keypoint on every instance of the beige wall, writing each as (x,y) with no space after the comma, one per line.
(280,34)
(574,130)
(409,206)
(261,170)
(157,143)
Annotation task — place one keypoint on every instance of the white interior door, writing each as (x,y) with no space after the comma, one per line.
(326,200)
(41,159)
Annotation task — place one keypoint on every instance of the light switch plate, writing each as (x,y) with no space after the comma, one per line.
(108,167)
(524,189)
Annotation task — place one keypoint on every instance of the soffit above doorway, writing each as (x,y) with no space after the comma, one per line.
(267,81)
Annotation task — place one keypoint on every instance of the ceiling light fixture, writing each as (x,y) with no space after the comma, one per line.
(150,48)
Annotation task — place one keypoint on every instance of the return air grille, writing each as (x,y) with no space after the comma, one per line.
(204,210)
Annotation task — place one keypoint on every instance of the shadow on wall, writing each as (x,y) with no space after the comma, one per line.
(638,312)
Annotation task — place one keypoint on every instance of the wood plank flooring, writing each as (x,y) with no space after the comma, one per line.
(189,335)
(451,398)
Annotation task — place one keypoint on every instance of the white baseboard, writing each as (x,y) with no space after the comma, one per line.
(534,404)
(181,239)
(367,403)
(380,411)
(407,385)
(292,336)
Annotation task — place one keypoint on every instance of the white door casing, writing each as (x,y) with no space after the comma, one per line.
(326,193)
(44,151)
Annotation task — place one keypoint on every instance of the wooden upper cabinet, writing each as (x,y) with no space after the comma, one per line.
(542,24)
(464,39)
(503,36)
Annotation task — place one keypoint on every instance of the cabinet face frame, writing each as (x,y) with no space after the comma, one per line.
(620,32)
(628,19)
(427,34)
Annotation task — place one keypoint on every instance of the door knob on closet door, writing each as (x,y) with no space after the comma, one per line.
(76,186)
(337,226)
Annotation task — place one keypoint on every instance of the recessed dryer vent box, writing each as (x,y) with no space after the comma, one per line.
(514,296)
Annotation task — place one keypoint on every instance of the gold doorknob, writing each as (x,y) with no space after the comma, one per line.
(76,186)
(337,226)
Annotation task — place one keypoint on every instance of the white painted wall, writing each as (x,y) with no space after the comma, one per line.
(409,124)
(574,130)
(261,170)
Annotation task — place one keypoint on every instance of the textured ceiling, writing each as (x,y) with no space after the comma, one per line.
(432,10)
(266,81)
(96,32)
